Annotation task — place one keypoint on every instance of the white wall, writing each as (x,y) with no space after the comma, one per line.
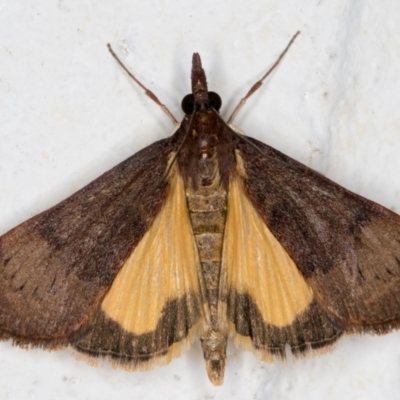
(68,113)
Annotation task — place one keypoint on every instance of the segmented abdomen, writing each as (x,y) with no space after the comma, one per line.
(207,208)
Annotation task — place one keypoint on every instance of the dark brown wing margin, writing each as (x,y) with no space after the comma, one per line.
(346,247)
(56,267)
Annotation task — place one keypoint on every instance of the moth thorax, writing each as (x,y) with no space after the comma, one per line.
(208,169)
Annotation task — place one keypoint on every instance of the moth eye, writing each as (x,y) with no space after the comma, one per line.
(188,104)
(214,100)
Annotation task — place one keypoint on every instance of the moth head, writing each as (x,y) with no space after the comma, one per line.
(200,98)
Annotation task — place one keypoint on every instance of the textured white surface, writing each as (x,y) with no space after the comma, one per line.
(68,113)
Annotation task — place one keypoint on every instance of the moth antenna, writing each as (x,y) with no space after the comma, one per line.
(147,92)
(258,84)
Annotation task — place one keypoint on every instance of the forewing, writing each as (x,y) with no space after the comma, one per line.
(267,301)
(155,305)
(56,267)
(346,247)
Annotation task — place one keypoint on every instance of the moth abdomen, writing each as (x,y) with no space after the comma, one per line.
(207,211)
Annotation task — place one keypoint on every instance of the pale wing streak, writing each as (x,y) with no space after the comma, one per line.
(267,273)
(163,267)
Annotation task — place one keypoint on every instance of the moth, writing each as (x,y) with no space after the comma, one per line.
(206,234)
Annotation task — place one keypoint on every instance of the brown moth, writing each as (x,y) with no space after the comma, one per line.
(206,234)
